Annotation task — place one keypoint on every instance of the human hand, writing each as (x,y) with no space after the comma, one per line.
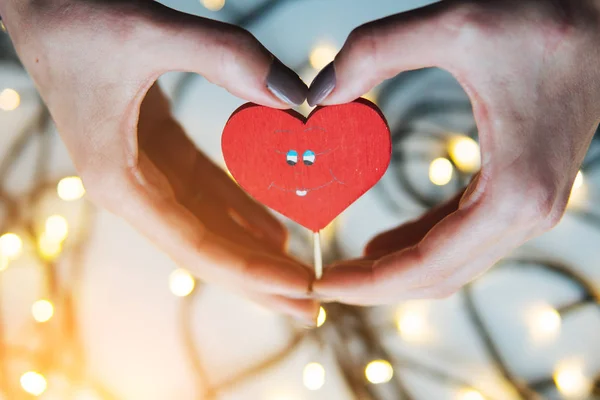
(95,64)
(530,70)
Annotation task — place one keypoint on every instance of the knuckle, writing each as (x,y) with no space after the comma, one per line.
(105,186)
(363,43)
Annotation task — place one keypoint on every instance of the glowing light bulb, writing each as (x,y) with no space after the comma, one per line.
(411,321)
(544,323)
(33,383)
(321,55)
(213,5)
(181,282)
(440,171)
(70,188)
(379,371)
(48,249)
(469,394)
(11,245)
(313,376)
(42,310)
(570,380)
(322,317)
(57,228)
(464,151)
(9,99)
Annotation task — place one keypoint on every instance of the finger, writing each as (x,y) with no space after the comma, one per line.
(413,232)
(303,311)
(380,50)
(454,251)
(224,54)
(198,183)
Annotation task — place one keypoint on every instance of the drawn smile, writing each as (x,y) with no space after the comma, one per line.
(301,192)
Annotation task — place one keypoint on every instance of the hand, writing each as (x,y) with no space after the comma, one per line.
(95,64)
(530,70)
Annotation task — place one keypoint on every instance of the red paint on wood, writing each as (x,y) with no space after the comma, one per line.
(309,170)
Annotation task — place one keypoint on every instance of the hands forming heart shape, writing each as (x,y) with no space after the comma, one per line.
(528,66)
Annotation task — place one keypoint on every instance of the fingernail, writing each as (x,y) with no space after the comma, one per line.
(285,84)
(322,85)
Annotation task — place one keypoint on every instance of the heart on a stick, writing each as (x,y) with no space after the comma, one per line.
(308,169)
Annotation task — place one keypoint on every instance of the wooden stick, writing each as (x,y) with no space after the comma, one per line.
(318,256)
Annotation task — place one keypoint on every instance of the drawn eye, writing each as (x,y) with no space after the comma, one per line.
(291,157)
(308,157)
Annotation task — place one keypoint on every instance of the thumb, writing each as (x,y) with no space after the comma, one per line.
(224,54)
(380,50)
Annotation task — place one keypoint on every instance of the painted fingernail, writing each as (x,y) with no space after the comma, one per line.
(322,85)
(285,84)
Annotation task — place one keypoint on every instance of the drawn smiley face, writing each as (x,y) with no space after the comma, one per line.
(307,169)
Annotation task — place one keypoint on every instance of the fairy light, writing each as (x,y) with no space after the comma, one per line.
(213,5)
(57,228)
(313,376)
(42,310)
(469,394)
(70,188)
(440,171)
(181,282)
(411,321)
(9,99)
(33,383)
(321,55)
(570,379)
(379,371)
(464,152)
(544,323)
(48,249)
(11,245)
(322,317)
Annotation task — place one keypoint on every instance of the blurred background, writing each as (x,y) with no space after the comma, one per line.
(89,310)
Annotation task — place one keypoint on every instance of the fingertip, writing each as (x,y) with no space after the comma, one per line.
(285,84)
(322,86)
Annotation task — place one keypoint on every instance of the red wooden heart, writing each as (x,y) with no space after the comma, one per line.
(309,170)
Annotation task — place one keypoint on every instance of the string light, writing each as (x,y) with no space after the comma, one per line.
(48,249)
(411,321)
(313,376)
(70,188)
(11,245)
(321,55)
(9,100)
(440,171)
(213,5)
(322,317)
(379,371)
(544,323)
(42,310)
(570,380)
(181,282)
(33,383)
(464,151)
(57,228)
(469,394)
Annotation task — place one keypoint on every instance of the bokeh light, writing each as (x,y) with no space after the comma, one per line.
(42,310)
(469,394)
(70,188)
(544,323)
(11,245)
(379,371)
(412,322)
(464,152)
(321,55)
(181,282)
(322,317)
(9,100)
(570,379)
(57,228)
(313,376)
(440,171)
(33,383)
(213,5)
(48,249)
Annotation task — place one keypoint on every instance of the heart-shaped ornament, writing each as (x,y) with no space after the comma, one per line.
(308,169)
